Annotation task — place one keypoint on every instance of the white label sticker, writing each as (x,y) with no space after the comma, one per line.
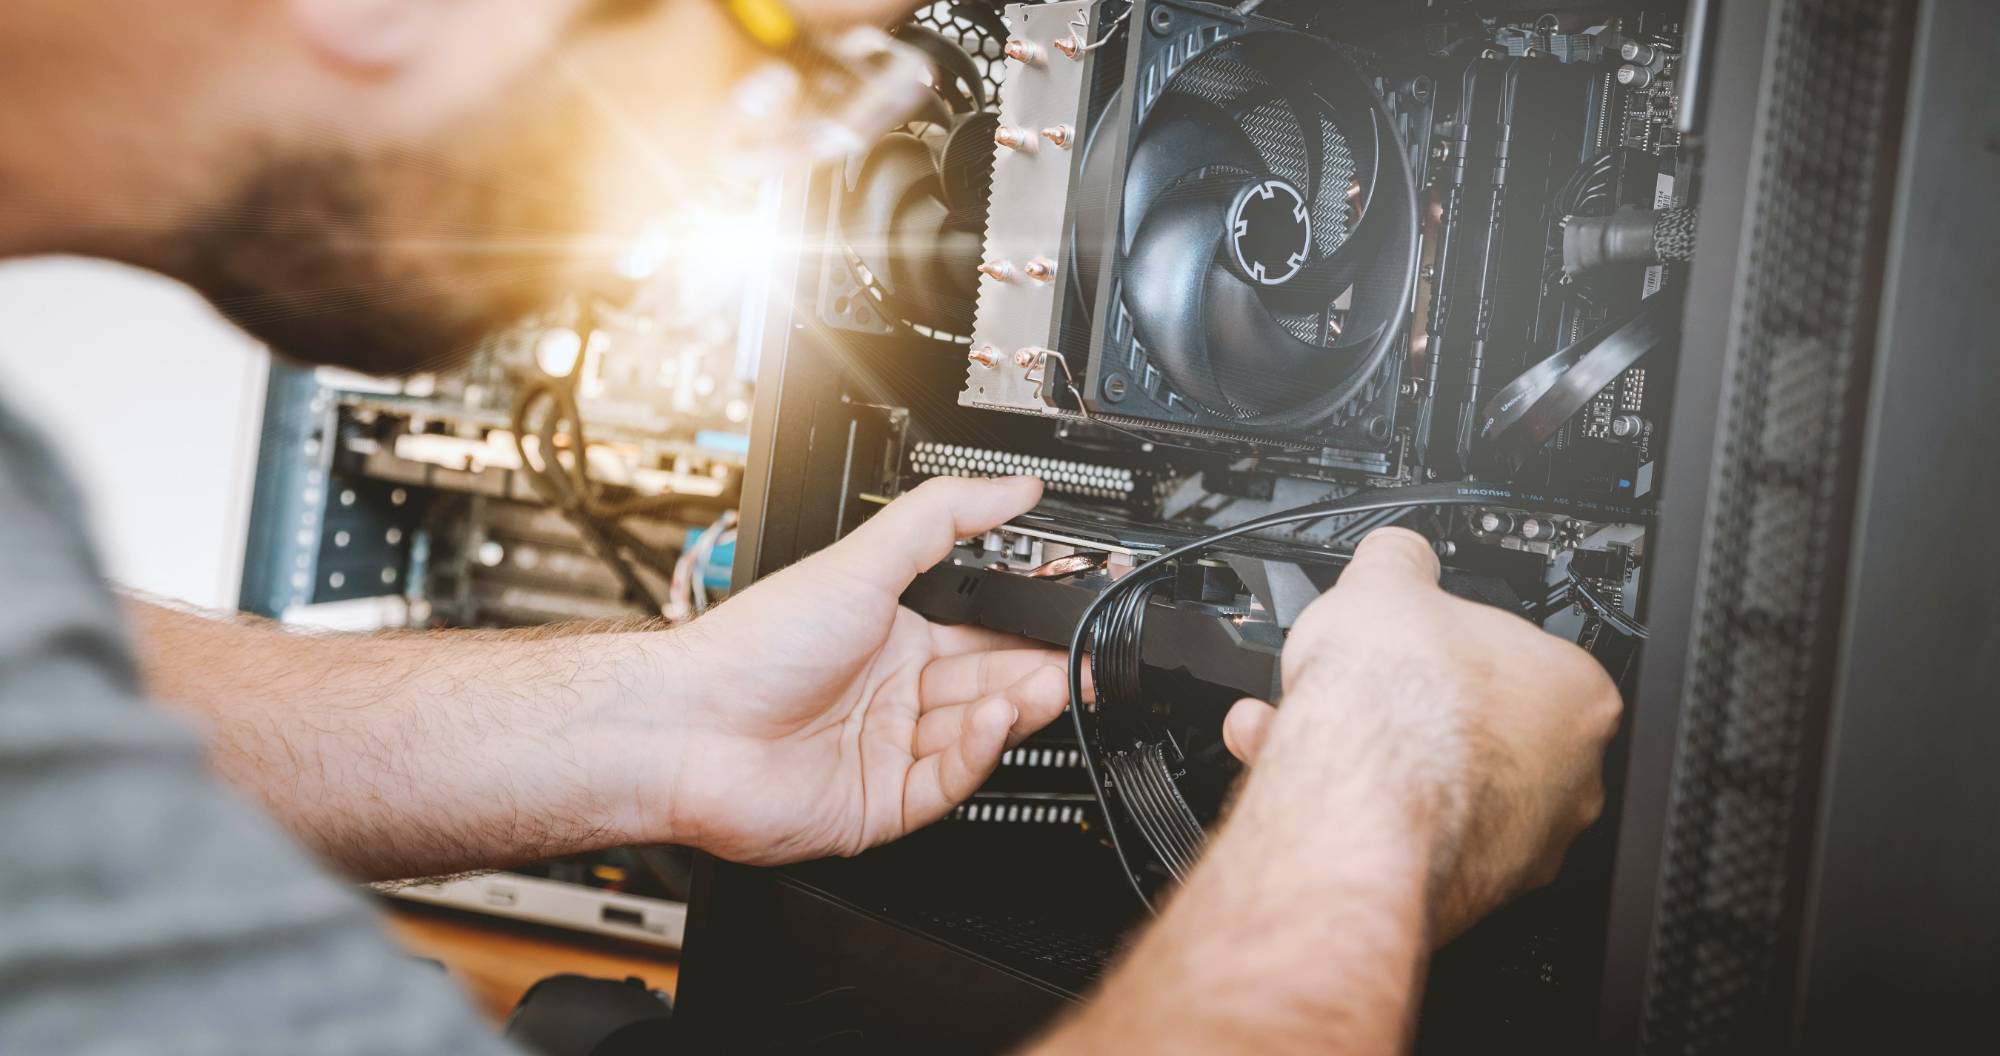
(1663,198)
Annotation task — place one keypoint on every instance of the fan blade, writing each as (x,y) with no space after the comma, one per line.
(1165,276)
(949,59)
(1257,364)
(1205,328)
(897,167)
(1325,279)
(958,251)
(918,264)
(1312,88)
(966,164)
(1349,102)
(1305,108)
(1182,135)
(931,110)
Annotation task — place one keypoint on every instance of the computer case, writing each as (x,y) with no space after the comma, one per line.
(1798,855)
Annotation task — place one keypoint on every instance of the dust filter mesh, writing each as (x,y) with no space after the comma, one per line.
(1775,537)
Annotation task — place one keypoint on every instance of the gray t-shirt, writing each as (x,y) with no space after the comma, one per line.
(144,907)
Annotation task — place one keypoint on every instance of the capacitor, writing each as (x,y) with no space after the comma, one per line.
(1639,53)
(1533,529)
(1634,76)
(1627,426)
(1495,522)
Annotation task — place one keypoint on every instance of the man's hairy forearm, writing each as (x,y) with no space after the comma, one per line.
(1303,930)
(412,754)
(1252,957)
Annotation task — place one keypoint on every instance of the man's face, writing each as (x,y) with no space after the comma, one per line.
(496,180)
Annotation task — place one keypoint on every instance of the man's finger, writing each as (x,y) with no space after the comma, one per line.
(942,780)
(916,531)
(1392,556)
(1245,727)
(1038,697)
(969,676)
(936,729)
(950,638)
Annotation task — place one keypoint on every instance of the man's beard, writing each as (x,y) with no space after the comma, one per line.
(309,257)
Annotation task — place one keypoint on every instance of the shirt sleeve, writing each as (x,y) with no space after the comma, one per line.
(144,907)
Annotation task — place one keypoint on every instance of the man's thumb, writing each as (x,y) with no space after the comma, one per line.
(1244,728)
(1392,556)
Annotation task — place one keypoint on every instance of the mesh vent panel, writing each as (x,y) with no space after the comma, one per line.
(979,43)
(1775,535)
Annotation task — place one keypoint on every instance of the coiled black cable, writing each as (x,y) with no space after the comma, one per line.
(1419,495)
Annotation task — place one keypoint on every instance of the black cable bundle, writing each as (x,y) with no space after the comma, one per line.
(571,490)
(1588,192)
(1602,608)
(1148,575)
(1116,661)
(1145,784)
(1135,751)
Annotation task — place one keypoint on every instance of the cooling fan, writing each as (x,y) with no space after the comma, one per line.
(1243,238)
(1269,299)
(912,213)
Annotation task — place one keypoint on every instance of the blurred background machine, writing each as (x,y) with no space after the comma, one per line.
(582,465)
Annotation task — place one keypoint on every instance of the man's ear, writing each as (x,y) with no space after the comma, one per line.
(368,34)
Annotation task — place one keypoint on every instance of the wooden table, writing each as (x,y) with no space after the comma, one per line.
(498,960)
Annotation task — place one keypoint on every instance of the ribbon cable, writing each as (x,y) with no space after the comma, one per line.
(1522,417)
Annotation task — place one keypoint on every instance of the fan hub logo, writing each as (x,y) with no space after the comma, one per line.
(1270,232)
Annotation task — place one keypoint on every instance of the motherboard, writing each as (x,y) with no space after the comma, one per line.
(1241,283)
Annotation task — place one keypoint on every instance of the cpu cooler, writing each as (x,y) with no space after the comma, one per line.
(1239,222)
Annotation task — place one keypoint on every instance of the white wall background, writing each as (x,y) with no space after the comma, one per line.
(155,404)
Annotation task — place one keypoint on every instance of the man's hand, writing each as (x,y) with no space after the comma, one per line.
(1493,745)
(1431,758)
(809,715)
(832,719)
